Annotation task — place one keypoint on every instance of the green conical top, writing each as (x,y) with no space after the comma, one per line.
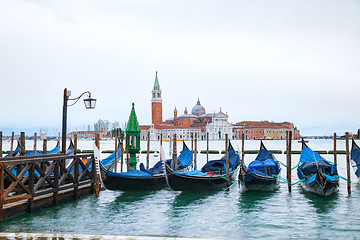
(156,84)
(133,124)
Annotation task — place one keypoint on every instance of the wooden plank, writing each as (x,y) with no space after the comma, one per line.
(17,198)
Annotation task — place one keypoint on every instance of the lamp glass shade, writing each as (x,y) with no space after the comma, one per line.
(90,103)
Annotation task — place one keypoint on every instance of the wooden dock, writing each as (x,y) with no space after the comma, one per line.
(28,183)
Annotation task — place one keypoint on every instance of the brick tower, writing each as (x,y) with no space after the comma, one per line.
(156,103)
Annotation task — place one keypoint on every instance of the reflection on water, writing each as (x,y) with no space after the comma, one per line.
(253,200)
(184,199)
(322,204)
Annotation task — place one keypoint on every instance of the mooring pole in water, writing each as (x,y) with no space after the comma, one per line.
(227,158)
(174,155)
(148,151)
(242,148)
(192,148)
(96,176)
(76,169)
(335,155)
(127,151)
(288,157)
(122,151)
(35,138)
(207,147)
(1,150)
(348,163)
(195,151)
(116,152)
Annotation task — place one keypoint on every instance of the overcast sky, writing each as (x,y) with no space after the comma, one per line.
(296,61)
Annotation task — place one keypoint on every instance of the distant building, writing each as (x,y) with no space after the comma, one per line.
(88,134)
(43,135)
(264,130)
(186,125)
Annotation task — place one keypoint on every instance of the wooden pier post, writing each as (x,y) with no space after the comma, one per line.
(116,152)
(148,150)
(242,148)
(1,149)
(96,176)
(348,164)
(31,186)
(43,164)
(288,158)
(207,147)
(227,158)
(122,151)
(195,151)
(22,144)
(12,144)
(35,138)
(335,155)
(2,176)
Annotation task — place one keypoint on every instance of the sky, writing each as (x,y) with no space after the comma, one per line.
(275,60)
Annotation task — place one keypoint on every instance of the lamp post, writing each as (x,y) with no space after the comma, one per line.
(89,104)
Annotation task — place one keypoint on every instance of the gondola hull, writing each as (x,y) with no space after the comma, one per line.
(134,184)
(255,182)
(178,182)
(329,188)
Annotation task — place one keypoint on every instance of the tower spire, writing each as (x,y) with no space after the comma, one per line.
(156,102)
(156,83)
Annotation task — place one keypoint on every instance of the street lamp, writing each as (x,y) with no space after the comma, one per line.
(89,104)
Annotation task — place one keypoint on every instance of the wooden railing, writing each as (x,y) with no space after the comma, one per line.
(30,179)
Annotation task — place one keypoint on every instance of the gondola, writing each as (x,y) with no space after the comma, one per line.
(144,179)
(316,174)
(52,151)
(355,158)
(210,177)
(16,152)
(260,173)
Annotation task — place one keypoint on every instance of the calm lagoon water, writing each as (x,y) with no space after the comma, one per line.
(226,214)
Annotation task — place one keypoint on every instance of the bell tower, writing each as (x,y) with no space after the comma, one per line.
(156,103)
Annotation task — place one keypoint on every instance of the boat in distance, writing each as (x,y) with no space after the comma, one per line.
(212,175)
(261,174)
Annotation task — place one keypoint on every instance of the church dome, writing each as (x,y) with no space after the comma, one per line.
(198,109)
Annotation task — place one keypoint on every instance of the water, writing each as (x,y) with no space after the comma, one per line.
(226,214)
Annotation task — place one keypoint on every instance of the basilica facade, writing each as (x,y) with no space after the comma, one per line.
(198,123)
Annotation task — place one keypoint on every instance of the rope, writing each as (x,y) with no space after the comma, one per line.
(223,177)
(282,164)
(297,165)
(342,178)
(284,180)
